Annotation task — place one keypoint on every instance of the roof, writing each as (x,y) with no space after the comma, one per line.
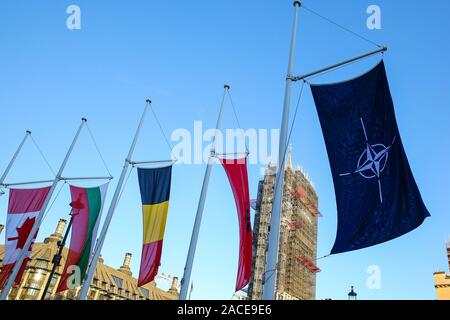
(42,254)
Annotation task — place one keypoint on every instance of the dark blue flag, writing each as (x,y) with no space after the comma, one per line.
(376,195)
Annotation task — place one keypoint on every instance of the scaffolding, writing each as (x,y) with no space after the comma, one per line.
(296,270)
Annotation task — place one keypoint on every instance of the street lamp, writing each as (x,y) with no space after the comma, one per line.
(352,295)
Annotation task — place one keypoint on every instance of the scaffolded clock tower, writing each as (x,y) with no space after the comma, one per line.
(296,271)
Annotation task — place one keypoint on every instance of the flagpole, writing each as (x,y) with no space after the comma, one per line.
(190,292)
(274,234)
(201,204)
(112,208)
(57,257)
(39,217)
(8,168)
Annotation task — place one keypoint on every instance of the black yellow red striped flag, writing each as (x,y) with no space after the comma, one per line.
(154,184)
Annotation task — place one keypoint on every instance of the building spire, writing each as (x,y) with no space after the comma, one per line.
(289,159)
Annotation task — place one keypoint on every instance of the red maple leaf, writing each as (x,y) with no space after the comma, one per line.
(22,232)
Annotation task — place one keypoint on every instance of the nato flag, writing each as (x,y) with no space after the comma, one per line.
(376,195)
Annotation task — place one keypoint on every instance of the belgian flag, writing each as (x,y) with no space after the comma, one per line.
(155,192)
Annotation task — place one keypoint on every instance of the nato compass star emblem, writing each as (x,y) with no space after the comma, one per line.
(372,161)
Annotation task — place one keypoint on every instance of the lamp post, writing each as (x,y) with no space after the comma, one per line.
(77,205)
(352,295)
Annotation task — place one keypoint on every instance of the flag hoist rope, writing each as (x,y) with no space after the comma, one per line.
(98,149)
(42,155)
(238,123)
(13,159)
(54,200)
(169,144)
(342,27)
(39,217)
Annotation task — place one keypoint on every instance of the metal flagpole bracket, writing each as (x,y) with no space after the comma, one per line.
(337,65)
(86,178)
(137,163)
(7,185)
(246,153)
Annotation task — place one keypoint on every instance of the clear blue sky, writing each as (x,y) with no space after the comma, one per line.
(180,53)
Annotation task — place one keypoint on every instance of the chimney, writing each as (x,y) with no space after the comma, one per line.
(58,234)
(174,286)
(125,268)
(448,253)
(1,228)
(127,260)
(60,228)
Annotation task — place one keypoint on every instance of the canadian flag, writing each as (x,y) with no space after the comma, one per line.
(23,207)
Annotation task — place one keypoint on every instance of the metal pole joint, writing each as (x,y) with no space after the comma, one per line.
(337,65)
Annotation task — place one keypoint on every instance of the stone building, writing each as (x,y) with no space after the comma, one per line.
(442,280)
(108,283)
(296,270)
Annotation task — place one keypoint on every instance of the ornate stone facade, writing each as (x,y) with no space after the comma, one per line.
(442,280)
(108,283)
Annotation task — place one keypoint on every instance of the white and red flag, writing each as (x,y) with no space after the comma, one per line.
(236,170)
(23,209)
